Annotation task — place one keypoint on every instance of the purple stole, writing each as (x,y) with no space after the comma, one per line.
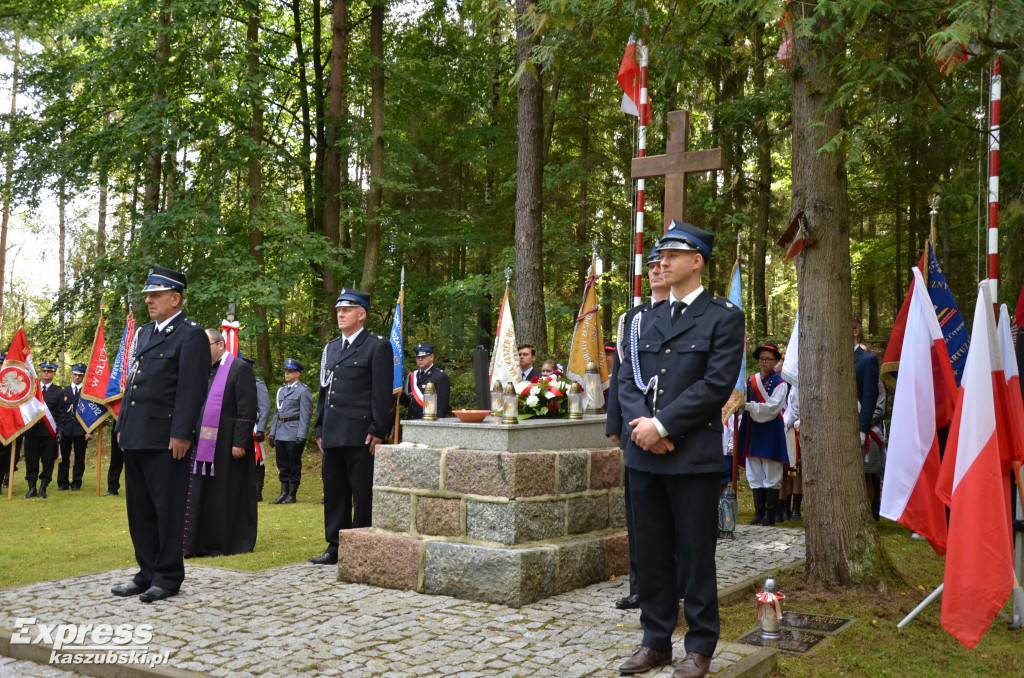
(211,418)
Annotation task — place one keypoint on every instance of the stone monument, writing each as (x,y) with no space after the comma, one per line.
(499,513)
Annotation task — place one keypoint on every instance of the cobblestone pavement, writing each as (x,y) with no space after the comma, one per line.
(19,668)
(297,620)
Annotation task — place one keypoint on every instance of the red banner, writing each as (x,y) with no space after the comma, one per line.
(98,375)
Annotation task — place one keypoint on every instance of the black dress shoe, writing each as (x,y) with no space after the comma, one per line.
(155,593)
(645,659)
(75,488)
(61,488)
(110,493)
(125,590)
(630,602)
(327,558)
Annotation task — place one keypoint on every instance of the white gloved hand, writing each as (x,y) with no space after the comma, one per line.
(863,437)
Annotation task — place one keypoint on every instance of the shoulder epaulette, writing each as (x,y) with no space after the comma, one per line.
(723,302)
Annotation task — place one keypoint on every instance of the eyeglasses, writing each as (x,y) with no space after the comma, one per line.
(214,343)
(768,359)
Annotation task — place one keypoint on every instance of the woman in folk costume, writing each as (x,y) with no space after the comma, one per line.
(762,434)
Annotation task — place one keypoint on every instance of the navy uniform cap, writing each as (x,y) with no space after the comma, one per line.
(771,348)
(684,236)
(78,368)
(162,279)
(351,297)
(653,257)
(423,349)
(48,365)
(292,364)
(248,361)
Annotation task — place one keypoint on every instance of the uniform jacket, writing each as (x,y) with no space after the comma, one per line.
(166,387)
(69,424)
(531,375)
(292,402)
(615,423)
(865,364)
(356,399)
(262,406)
(54,399)
(442,385)
(696,361)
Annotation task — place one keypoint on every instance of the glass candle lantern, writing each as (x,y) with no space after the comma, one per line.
(592,384)
(510,405)
(429,403)
(575,401)
(497,399)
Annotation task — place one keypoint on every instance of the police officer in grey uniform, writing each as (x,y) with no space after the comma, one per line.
(674,379)
(156,429)
(353,414)
(290,429)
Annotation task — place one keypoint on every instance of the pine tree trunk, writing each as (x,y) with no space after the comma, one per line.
(62,276)
(764,190)
(531,325)
(307,125)
(252,39)
(375,195)
(151,200)
(840,537)
(332,159)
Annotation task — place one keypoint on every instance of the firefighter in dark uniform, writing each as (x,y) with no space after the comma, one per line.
(73,435)
(260,429)
(674,379)
(614,425)
(353,414)
(40,444)
(290,429)
(156,428)
(426,373)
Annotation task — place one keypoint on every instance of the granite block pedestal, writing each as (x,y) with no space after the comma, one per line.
(498,513)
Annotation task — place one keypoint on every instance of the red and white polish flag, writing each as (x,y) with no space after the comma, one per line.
(1011,372)
(979,559)
(21,395)
(634,97)
(923,403)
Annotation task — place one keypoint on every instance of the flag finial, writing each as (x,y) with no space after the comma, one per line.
(508,276)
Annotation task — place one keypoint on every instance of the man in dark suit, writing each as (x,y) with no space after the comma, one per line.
(426,373)
(615,426)
(260,429)
(156,428)
(290,429)
(220,514)
(674,379)
(353,414)
(527,356)
(40,444)
(73,435)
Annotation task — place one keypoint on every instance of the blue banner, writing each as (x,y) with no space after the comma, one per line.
(117,369)
(90,414)
(736,297)
(397,350)
(954,330)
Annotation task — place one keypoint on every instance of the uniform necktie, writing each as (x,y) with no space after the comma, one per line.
(344,345)
(677,310)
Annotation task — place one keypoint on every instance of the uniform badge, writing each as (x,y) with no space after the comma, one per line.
(728,304)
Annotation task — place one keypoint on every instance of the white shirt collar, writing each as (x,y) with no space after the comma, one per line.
(689,298)
(352,337)
(161,325)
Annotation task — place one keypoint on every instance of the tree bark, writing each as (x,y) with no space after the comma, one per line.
(307,125)
(151,200)
(764,190)
(62,276)
(9,178)
(376,192)
(252,39)
(332,159)
(531,325)
(321,116)
(840,536)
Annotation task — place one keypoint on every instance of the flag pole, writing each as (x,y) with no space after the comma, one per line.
(641,152)
(401,304)
(10,471)
(99,458)
(995,95)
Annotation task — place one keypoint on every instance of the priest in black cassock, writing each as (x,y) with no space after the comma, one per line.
(220,511)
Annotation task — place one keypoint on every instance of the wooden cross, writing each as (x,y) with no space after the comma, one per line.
(676,164)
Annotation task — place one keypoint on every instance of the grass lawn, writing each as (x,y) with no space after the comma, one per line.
(73,533)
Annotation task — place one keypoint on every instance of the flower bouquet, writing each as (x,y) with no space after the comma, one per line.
(546,398)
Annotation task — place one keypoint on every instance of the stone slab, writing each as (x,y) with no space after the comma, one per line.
(527,435)
(388,560)
(790,641)
(511,577)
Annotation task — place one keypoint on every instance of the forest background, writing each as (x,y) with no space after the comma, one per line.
(276,150)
